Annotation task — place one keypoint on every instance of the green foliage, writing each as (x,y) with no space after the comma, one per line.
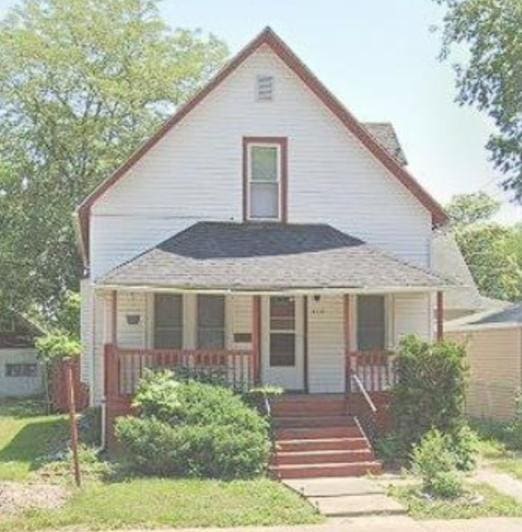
(82,83)
(494,268)
(490,78)
(464,445)
(492,252)
(434,462)
(211,451)
(157,395)
(55,346)
(390,449)
(466,209)
(431,389)
(193,429)
(67,317)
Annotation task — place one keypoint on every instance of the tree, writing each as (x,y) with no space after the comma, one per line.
(466,209)
(82,83)
(491,78)
(492,252)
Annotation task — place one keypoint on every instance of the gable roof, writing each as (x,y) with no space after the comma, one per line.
(224,256)
(280,48)
(508,317)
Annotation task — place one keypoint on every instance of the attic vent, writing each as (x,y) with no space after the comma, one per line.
(265,88)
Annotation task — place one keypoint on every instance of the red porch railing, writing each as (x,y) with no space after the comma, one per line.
(375,370)
(125,367)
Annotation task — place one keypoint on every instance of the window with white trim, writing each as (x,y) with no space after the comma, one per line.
(211,322)
(371,322)
(168,321)
(264,181)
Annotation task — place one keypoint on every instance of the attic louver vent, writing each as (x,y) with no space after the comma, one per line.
(265,88)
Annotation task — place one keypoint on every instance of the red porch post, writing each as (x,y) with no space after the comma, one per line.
(114,318)
(440,316)
(256,337)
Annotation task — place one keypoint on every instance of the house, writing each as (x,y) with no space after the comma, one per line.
(264,232)
(494,351)
(21,374)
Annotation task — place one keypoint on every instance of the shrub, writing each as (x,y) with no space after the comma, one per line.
(55,346)
(256,396)
(193,429)
(434,462)
(431,389)
(390,449)
(464,445)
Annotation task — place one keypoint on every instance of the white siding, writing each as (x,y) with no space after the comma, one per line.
(412,315)
(19,386)
(239,320)
(195,173)
(131,304)
(326,370)
(86,319)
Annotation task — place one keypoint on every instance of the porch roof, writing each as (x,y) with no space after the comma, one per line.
(267,257)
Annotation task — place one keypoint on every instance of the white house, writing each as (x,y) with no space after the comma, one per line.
(262,230)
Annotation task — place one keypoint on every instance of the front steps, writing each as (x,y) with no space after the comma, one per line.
(316,437)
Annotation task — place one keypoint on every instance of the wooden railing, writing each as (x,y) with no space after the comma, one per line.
(375,370)
(125,367)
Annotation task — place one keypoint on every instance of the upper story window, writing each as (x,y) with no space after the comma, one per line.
(265,88)
(265,179)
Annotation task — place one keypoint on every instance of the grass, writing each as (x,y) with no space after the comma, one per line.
(113,501)
(494,504)
(26,435)
(149,503)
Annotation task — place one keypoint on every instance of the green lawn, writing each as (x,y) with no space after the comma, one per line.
(27,434)
(152,503)
(494,504)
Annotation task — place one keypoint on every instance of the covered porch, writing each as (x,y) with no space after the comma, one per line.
(317,343)
(304,307)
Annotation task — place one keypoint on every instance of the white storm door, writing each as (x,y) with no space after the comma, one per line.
(282,342)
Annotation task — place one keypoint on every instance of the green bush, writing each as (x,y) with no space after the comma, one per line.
(57,345)
(464,445)
(431,389)
(390,449)
(434,462)
(193,429)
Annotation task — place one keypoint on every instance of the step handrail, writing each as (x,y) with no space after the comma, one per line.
(365,394)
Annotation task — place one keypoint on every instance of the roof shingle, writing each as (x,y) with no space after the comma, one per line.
(267,256)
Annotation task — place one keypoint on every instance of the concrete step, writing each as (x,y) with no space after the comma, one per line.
(335,486)
(322,444)
(337,469)
(313,421)
(308,433)
(320,457)
(357,505)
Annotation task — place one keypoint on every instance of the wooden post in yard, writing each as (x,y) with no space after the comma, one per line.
(72,417)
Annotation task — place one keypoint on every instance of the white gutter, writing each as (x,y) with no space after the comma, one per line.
(482,326)
(275,291)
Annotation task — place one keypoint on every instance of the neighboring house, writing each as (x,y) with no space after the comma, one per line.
(21,374)
(494,349)
(262,231)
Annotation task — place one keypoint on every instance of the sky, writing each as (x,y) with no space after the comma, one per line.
(379,58)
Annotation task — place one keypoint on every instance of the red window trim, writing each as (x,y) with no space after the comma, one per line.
(282,142)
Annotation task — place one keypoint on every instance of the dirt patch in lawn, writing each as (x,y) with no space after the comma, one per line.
(16,496)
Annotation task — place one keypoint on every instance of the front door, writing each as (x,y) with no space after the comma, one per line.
(282,342)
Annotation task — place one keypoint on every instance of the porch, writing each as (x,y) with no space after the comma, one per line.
(302,343)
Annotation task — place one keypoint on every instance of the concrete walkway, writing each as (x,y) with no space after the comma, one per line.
(346,496)
(380,524)
(502,482)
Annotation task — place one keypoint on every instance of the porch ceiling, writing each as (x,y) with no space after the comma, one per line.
(268,257)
